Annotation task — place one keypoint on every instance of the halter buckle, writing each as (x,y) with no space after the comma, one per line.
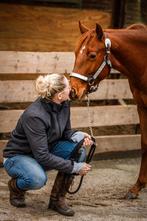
(92,88)
(90,80)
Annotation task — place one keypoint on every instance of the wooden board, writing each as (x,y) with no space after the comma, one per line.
(99,116)
(117,143)
(104,144)
(8,120)
(110,143)
(24,90)
(2,145)
(104,116)
(37,62)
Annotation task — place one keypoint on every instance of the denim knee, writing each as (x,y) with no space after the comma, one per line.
(37,181)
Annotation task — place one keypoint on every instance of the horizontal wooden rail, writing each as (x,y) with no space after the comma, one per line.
(118,143)
(36,62)
(104,116)
(24,90)
(99,116)
(105,144)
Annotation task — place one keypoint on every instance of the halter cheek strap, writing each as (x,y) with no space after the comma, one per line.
(91,80)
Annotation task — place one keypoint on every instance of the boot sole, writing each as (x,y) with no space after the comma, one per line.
(61,211)
(18,205)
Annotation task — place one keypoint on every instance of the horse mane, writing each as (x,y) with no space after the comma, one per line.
(137,26)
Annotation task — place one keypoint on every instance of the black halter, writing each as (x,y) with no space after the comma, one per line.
(91,79)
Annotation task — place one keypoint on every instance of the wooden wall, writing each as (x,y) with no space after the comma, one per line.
(37,29)
(16,94)
(43,28)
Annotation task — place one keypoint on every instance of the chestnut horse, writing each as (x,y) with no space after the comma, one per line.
(126,50)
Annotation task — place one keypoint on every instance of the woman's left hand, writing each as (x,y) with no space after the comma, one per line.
(87,140)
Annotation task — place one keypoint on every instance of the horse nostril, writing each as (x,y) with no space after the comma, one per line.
(72,93)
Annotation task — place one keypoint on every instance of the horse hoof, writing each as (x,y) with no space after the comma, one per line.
(131,196)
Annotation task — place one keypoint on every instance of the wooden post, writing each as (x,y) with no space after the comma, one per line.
(143,5)
(118,13)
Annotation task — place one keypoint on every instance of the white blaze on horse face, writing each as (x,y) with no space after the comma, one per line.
(82,49)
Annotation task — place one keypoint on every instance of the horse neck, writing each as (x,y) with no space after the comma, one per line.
(128,51)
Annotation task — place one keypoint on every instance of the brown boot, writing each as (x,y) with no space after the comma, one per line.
(17,196)
(57,199)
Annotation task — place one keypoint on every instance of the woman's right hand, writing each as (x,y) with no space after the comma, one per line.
(85,169)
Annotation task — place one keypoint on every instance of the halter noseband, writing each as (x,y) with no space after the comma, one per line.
(91,80)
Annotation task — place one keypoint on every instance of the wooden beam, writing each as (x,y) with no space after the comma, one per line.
(118,13)
(2,145)
(104,116)
(17,91)
(99,116)
(104,144)
(36,62)
(118,143)
(8,120)
(24,90)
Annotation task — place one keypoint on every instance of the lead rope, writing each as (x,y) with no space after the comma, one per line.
(89,156)
(89,117)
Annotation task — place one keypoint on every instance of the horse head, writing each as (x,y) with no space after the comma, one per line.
(92,62)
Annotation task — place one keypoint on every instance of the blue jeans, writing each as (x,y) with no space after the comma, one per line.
(28,172)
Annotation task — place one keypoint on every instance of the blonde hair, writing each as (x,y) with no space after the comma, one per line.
(48,85)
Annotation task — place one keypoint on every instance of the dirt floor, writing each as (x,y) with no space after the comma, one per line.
(99,199)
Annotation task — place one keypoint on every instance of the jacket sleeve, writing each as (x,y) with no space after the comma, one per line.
(35,130)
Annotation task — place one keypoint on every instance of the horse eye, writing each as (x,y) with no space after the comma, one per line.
(92,55)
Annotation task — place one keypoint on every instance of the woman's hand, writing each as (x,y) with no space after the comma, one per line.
(85,169)
(87,140)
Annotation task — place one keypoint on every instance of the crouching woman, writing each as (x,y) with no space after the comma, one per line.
(43,140)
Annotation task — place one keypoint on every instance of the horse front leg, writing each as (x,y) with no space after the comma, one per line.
(142,179)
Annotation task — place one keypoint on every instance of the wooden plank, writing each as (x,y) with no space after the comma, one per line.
(118,143)
(36,62)
(24,90)
(99,116)
(8,120)
(104,144)
(104,116)
(17,91)
(2,145)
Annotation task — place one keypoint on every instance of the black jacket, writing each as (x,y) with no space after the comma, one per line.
(41,125)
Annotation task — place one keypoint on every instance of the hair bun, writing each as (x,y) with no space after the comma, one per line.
(48,85)
(42,86)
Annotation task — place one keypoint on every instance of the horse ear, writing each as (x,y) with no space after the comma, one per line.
(99,31)
(83,28)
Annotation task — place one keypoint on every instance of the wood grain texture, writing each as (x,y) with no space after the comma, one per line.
(42,28)
(24,90)
(99,116)
(113,143)
(17,62)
